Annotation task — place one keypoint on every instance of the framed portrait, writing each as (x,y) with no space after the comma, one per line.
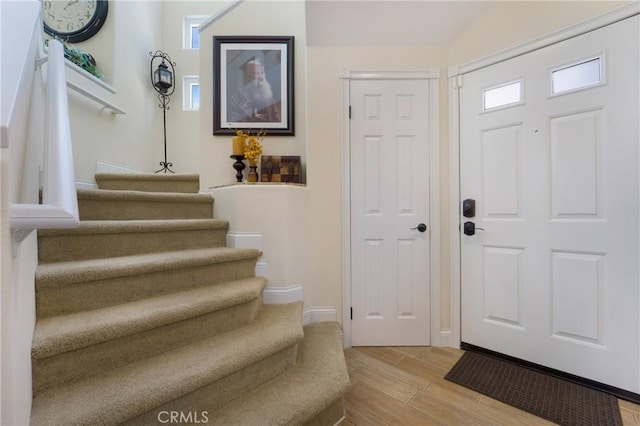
(253,84)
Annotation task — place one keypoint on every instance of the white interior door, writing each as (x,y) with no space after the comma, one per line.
(389,163)
(549,152)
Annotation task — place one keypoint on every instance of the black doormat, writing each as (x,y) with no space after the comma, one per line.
(540,394)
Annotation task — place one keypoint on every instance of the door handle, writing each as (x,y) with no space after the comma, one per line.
(470,228)
(421,227)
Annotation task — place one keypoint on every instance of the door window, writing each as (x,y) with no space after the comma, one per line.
(502,95)
(577,76)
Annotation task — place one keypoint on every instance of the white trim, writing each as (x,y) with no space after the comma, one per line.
(434,215)
(96,98)
(455,81)
(262,269)
(244,240)
(92,78)
(346,218)
(434,190)
(316,314)
(103,167)
(59,208)
(282,295)
(341,418)
(252,240)
(188,21)
(203,26)
(85,75)
(454,209)
(390,75)
(85,185)
(310,315)
(188,81)
(445,338)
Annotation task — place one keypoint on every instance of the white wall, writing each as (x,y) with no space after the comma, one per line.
(183,132)
(325,149)
(506,24)
(122,49)
(17,305)
(503,25)
(251,18)
(276,213)
(311,214)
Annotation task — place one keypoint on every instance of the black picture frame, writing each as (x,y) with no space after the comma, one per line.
(253,84)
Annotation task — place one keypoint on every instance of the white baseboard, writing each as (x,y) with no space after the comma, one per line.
(261,269)
(341,420)
(310,315)
(102,167)
(281,295)
(445,338)
(315,314)
(252,240)
(85,185)
(244,240)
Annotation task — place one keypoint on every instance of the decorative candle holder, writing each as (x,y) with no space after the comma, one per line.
(238,166)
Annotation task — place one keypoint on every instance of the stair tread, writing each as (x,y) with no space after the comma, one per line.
(319,378)
(112,226)
(94,269)
(65,333)
(128,391)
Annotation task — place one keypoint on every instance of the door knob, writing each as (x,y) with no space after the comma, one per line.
(421,227)
(470,228)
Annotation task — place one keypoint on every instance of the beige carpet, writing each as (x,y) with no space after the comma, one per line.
(142,310)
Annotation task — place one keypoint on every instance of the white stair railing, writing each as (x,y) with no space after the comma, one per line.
(59,207)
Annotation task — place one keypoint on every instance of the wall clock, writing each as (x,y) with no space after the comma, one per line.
(74,20)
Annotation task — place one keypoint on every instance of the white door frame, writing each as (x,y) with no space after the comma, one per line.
(438,337)
(455,74)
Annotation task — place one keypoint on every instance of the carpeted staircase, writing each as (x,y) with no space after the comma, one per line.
(145,317)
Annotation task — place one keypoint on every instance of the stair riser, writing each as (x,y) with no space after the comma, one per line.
(329,416)
(115,209)
(54,296)
(149,186)
(215,395)
(63,248)
(70,366)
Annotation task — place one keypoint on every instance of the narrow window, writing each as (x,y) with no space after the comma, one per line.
(503,95)
(576,76)
(195,96)
(191,93)
(195,36)
(190,34)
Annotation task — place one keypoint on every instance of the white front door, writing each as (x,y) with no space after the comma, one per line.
(549,152)
(389,163)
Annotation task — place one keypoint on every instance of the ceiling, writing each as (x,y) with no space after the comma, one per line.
(388,23)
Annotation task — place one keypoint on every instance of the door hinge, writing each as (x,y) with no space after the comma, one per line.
(349,112)
(459,81)
(351,310)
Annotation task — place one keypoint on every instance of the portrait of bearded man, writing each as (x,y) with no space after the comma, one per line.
(254,101)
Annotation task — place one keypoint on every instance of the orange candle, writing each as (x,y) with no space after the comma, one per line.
(238,145)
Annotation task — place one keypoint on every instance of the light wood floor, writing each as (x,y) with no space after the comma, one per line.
(406,386)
